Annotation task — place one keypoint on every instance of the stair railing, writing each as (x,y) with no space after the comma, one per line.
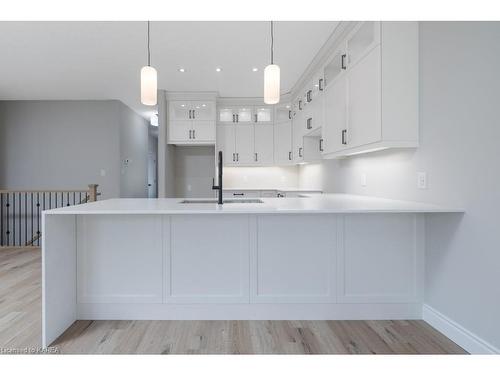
(20,212)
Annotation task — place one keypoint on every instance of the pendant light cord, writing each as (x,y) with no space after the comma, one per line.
(149,50)
(272,43)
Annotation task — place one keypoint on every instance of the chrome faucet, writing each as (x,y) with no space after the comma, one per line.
(219,170)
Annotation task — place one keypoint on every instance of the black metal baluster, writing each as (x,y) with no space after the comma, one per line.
(67,198)
(74,198)
(13,219)
(25,218)
(31,216)
(1,219)
(20,223)
(50,200)
(8,219)
(38,218)
(80,198)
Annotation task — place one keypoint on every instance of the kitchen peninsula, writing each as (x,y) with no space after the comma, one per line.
(328,256)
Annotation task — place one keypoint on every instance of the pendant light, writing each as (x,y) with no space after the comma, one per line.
(272,77)
(149,81)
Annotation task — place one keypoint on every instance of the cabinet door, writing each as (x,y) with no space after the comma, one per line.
(226,143)
(244,135)
(180,131)
(264,144)
(336,66)
(298,135)
(365,123)
(203,111)
(335,109)
(283,143)
(226,115)
(363,38)
(179,110)
(203,131)
(283,113)
(244,115)
(263,115)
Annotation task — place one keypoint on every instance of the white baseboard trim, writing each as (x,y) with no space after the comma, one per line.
(458,334)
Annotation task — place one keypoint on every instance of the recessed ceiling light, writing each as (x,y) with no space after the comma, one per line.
(218,69)
(183,105)
(255,69)
(197,107)
(203,105)
(287,107)
(182,70)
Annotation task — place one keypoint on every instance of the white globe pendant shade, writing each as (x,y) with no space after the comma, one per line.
(272,84)
(149,85)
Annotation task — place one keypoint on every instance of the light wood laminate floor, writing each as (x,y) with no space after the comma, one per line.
(20,327)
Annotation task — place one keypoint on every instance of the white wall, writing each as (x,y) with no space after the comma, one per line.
(460,137)
(261,177)
(133,147)
(66,144)
(194,170)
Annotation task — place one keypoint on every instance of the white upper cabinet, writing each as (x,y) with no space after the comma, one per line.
(264,144)
(226,142)
(283,113)
(334,131)
(226,115)
(191,122)
(371,92)
(245,114)
(365,122)
(245,144)
(364,37)
(283,143)
(203,110)
(263,115)
(180,111)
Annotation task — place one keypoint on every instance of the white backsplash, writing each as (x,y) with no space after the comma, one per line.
(261,177)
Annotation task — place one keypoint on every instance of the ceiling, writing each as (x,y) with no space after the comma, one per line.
(102,60)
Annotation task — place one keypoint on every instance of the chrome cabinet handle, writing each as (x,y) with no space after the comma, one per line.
(256,157)
(234,117)
(237,118)
(308,96)
(300,105)
(289,115)
(321,144)
(289,155)
(194,134)
(309,123)
(320,84)
(255,116)
(344,133)
(300,152)
(237,156)
(194,114)
(190,134)
(343,61)
(234,156)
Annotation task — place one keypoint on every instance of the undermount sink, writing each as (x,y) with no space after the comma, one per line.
(199,201)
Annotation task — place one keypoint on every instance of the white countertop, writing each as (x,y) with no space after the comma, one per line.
(274,189)
(324,203)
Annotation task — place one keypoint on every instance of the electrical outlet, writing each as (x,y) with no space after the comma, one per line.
(363,179)
(422,180)
(103,172)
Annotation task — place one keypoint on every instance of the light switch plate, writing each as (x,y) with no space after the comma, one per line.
(363,179)
(422,180)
